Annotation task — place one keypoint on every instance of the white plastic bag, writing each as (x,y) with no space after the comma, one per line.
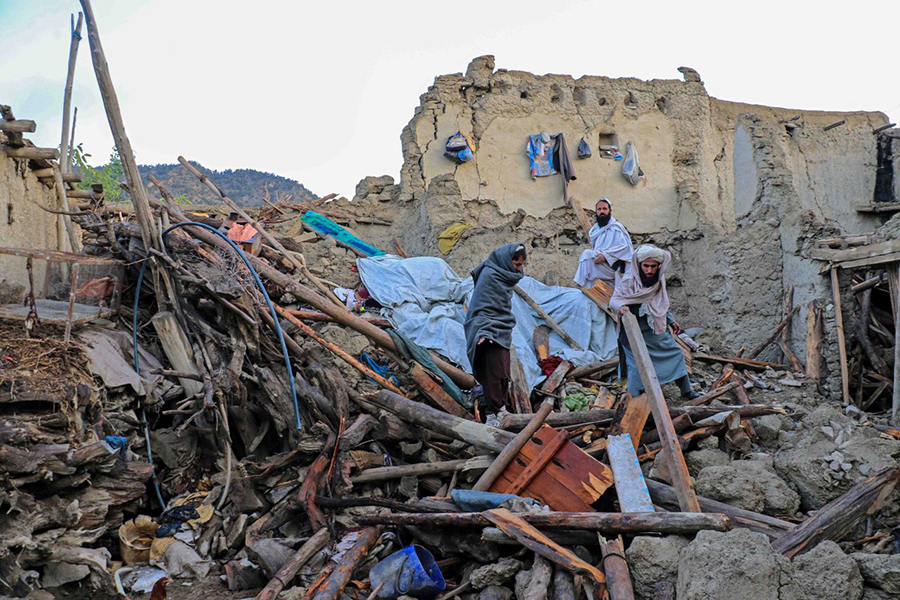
(631,169)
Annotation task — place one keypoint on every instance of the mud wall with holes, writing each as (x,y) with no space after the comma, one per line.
(736,191)
(23,224)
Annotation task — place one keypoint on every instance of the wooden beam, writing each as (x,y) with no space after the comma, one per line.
(813,340)
(14,137)
(63,202)
(839,516)
(17,126)
(842,344)
(82,194)
(687,498)
(859,252)
(879,207)
(398,472)
(775,332)
(29,152)
(48,174)
(660,522)
(547,318)
(340,575)
(117,127)
(871,261)
(512,449)
(756,365)
(637,411)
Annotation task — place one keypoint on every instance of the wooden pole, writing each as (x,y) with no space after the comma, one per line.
(70,155)
(618,579)
(681,479)
(67,96)
(340,576)
(842,344)
(29,152)
(895,399)
(512,449)
(813,340)
(547,318)
(301,266)
(659,522)
(117,127)
(398,472)
(63,202)
(289,570)
(73,285)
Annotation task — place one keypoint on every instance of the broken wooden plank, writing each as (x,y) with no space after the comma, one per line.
(631,489)
(546,454)
(177,349)
(681,479)
(611,523)
(520,391)
(859,252)
(556,378)
(637,411)
(434,392)
(894,278)
(600,294)
(512,449)
(537,542)
(839,516)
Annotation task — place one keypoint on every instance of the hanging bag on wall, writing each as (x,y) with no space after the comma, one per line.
(584,149)
(631,169)
(459,148)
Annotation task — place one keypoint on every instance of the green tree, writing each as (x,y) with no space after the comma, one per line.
(108,175)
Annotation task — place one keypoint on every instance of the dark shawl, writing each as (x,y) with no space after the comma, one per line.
(490,309)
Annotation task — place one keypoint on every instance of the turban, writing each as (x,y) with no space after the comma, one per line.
(647,252)
(608,203)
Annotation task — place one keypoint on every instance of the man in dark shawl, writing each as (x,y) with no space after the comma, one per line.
(643,292)
(490,321)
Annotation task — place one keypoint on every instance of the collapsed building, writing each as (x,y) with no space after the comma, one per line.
(299,446)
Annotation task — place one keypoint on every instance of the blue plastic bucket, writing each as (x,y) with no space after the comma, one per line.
(411,572)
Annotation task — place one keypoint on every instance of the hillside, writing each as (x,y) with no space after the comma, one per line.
(244,186)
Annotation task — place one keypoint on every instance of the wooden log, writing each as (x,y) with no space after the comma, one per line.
(557,419)
(29,152)
(546,318)
(868,283)
(775,333)
(312,315)
(861,330)
(63,205)
(710,396)
(842,344)
(664,495)
(612,523)
(678,470)
(618,578)
(838,517)
(512,449)
(82,194)
(67,94)
(534,540)
(117,127)
(314,478)
(289,570)
(17,126)
(481,436)
(340,575)
(813,340)
(388,473)
(48,173)
(602,367)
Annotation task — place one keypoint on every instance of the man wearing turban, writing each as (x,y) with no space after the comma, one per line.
(610,252)
(643,292)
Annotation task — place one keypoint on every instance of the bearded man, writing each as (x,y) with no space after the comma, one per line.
(643,291)
(610,253)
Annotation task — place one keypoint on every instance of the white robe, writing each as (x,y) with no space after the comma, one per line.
(614,243)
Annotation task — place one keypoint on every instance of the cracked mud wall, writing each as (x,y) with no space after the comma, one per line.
(737,191)
(23,224)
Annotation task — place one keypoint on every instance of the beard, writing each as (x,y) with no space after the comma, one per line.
(603,220)
(649,280)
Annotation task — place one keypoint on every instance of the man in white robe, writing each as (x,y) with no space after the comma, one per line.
(610,253)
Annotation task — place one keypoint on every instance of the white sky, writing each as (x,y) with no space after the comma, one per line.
(320,91)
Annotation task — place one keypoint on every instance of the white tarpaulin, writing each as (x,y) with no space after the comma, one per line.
(424,299)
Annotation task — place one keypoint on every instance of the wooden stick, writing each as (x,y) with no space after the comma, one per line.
(312,315)
(73,285)
(29,152)
(512,449)
(894,274)
(117,127)
(813,340)
(616,523)
(756,365)
(68,158)
(839,516)
(602,367)
(842,344)
(618,579)
(709,397)
(338,351)
(301,266)
(547,318)
(67,95)
(17,126)
(289,570)
(63,202)
(775,332)
(340,576)
(681,479)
